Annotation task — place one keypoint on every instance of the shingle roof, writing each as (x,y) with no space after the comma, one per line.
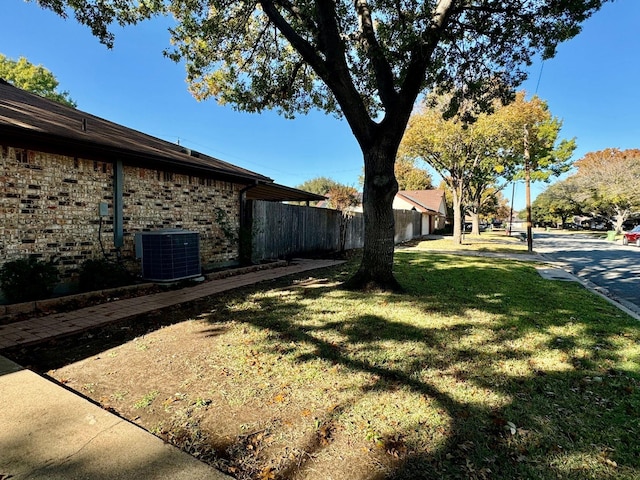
(31,121)
(423,200)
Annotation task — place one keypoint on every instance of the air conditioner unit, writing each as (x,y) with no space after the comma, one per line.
(169,255)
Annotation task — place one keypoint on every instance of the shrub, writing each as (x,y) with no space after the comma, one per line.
(102,274)
(27,279)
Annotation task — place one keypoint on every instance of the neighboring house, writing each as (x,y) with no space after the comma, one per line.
(430,203)
(75,187)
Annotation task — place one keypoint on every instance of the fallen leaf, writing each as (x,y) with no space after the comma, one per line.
(267,474)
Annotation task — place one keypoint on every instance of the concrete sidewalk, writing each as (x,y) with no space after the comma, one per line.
(50,433)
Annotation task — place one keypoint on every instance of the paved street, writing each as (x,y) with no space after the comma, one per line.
(610,265)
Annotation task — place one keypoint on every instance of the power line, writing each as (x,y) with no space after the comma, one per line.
(539,77)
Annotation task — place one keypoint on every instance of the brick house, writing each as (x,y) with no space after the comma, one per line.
(430,203)
(74,186)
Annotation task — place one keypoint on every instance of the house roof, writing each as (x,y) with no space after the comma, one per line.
(423,200)
(273,192)
(33,122)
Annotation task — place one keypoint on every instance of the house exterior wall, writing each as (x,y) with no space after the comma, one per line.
(442,208)
(155,200)
(49,205)
(400,204)
(426,224)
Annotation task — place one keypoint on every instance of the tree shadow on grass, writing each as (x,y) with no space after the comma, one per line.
(565,402)
(569,401)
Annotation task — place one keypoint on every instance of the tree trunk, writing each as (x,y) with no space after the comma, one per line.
(380,187)
(475,223)
(458,217)
(621,217)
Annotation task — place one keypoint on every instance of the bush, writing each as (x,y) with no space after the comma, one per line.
(102,274)
(27,279)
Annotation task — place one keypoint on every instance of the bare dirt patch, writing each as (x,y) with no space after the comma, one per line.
(209,389)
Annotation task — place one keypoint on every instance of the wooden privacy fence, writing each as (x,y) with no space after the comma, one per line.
(281,230)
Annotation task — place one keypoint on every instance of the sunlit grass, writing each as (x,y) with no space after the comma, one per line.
(498,242)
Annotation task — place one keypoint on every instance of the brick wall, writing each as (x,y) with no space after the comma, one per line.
(156,199)
(49,207)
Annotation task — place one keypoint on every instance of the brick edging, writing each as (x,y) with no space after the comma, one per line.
(43,305)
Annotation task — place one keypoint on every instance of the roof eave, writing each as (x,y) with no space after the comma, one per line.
(23,138)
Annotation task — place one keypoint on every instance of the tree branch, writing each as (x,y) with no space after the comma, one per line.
(306,50)
(444,11)
(333,69)
(381,67)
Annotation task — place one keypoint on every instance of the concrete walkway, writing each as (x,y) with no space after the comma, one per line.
(36,330)
(50,433)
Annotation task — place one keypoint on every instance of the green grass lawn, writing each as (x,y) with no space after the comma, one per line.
(481,370)
(497,242)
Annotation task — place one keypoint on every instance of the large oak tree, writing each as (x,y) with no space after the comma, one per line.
(368,60)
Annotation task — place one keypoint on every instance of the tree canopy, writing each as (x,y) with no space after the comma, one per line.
(318,185)
(342,197)
(472,156)
(410,176)
(34,78)
(558,202)
(609,181)
(529,125)
(365,60)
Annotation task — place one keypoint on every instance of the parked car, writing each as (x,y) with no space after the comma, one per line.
(600,226)
(632,236)
(571,226)
(468,226)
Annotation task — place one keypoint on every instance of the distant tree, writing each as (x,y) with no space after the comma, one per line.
(540,214)
(367,61)
(608,182)
(342,197)
(482,193)
(558,202)
(318,185)
(536,153)
(493,205)
(411,177)
(33,78)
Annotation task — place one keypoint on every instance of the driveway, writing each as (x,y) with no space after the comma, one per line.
(606,264)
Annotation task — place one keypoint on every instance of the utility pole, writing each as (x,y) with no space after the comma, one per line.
(527,180)
(513,194)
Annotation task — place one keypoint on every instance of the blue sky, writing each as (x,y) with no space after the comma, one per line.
(591,84)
